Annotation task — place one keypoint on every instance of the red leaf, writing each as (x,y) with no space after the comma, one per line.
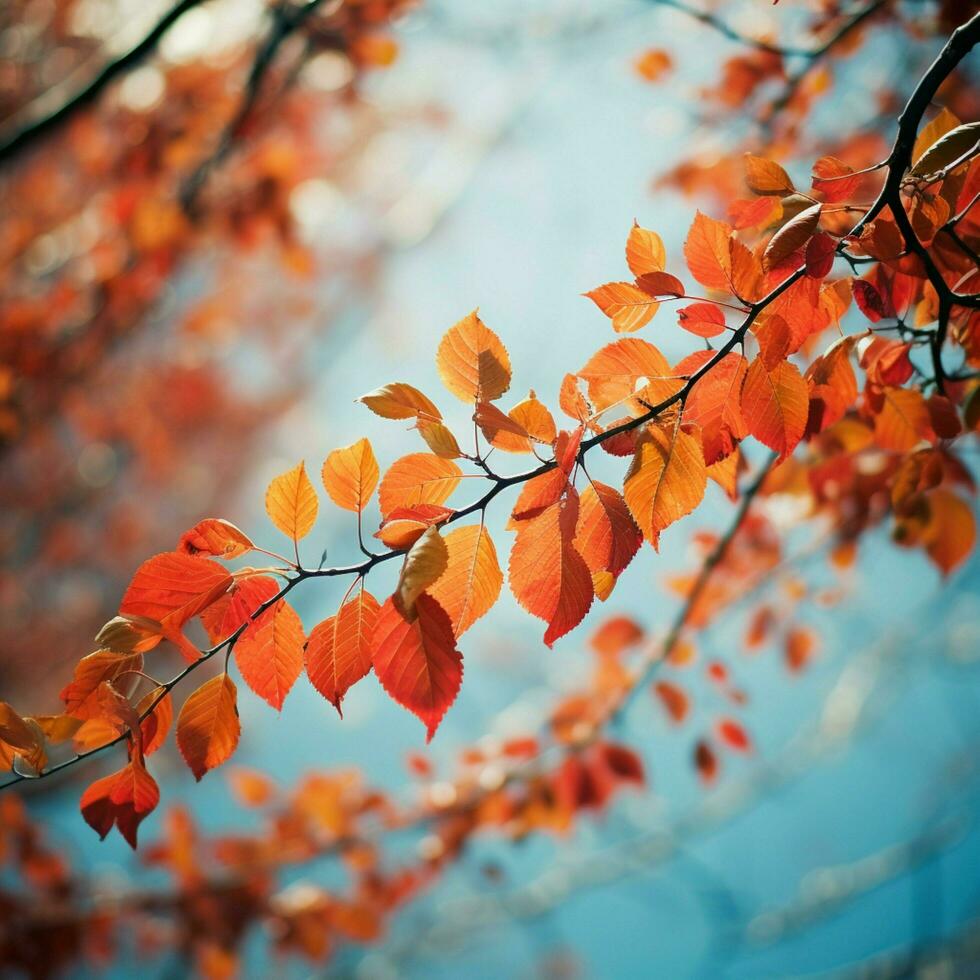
(417,662)
(675,701)
(702,319)
(123,799)
(548,577)
(338,653)
(732,734)
(174,587)
(660,284)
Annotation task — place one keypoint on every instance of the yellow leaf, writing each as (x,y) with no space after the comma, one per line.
(418,478)
(350,475)
(666,479)
(471,582)
(291,503)
(400,401)
(425,562)
(473,364)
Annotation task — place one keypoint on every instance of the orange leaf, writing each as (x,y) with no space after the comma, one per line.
(775,404)
(338,653)
(173,587)
(405,525)
(157,723)
(269,654)
(666,479)
(548,577)
(350,475)
(644,251)
(834,179)
(425,562)
(471,582)
(400,401)
(628,306)
(702,319)
(612,373)
(215,537)
(902,421)
(675,701)
(418,478)
(766,176)
(81,694)
(123,799)
(472,362)
(606,536)
(207,726)
(534,419)
(713,402)
(708,252)
(615,635)
(951,531)
(417,662)
(537,494)
(237,606)
(653,63)
(291,503)
(439,438)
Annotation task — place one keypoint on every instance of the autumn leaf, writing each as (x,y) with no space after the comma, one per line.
(627,306)
(902,419)
(834,179)
(173,587)
(606,535)
(732,734)
(951,531)
(424,563)
(439,438)
(123,799)
(766,176)
(237,607)
(702,319)
(471,583)
(674,700)
(400,401)
(775,404)
(532,422)
(207,726)
(472,362)
(417,662)
(418,478)
(291,503)
(708,252)
(81,695)
(338,653)
(666,479)
(269,654)
(660,284)
(791,236)
(612,373)
(653,64)
(644,251)
(548,576)
(350,475)
(405,525)
(215,537)
(713,402)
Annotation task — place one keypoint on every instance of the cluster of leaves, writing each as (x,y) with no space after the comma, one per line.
(862,428)
(112,395)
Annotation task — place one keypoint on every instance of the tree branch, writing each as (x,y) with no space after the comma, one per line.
(12,144)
